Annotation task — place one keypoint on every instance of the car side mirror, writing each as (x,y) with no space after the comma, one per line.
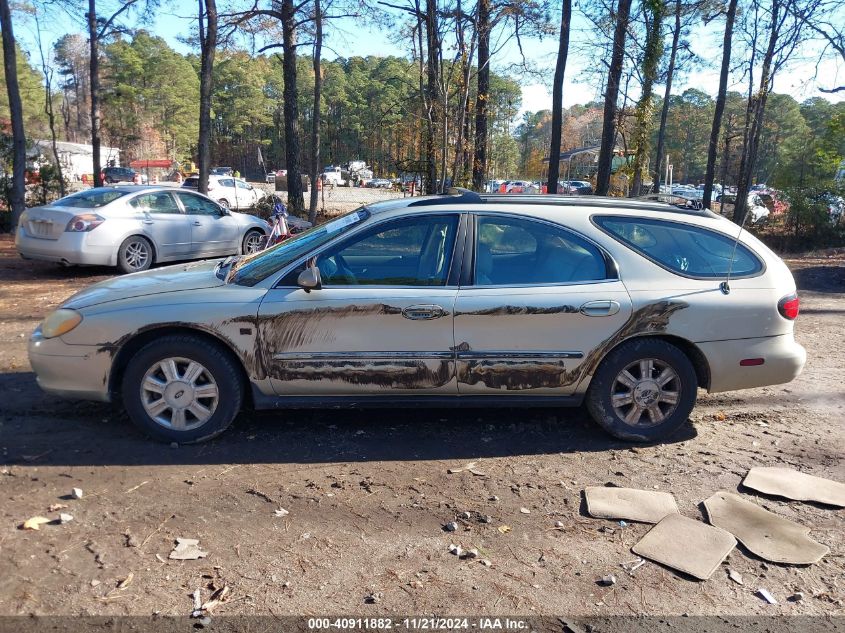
(309,279)
(224,212)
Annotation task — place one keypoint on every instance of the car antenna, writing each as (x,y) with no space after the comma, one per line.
(725,286)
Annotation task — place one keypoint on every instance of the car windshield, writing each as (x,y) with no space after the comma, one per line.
(90,198)
(249,270)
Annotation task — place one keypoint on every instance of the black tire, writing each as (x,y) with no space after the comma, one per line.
(223,203)
(604,384)
(215,360)
(252,233)
(128,255)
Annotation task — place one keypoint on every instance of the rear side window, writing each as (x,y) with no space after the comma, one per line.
(518,251)
(90,198)
(687,250)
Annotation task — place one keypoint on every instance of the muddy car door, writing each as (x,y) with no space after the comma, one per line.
(381,321)
(536,304)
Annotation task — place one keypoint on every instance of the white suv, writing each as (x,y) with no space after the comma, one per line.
(230,192)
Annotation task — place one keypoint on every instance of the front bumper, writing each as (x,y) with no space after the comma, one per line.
(70,248)
(783,361)
(71,371)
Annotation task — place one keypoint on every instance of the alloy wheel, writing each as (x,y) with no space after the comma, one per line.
(252,243)
(137,255)
(646,392)
(179,394)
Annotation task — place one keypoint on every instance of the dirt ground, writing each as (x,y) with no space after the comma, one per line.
(367,494)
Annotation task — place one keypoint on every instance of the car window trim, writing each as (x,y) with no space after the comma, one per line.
(720,276)
(611,268)
(451,280)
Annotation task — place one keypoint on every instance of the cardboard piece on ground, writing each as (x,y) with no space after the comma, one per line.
(690,546)
(766,534)
(646,506)
(792,484)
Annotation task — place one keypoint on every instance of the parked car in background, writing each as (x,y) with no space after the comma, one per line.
(461,300)
(757,210)
(221,171)
(380,183)
(581,187)
(113,175)
(232,193)
(133,227)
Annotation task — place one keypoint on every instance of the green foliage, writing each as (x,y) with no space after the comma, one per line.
(150,98)
(30,82)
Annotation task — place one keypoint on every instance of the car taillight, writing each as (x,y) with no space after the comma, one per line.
(84,223)
(789,306)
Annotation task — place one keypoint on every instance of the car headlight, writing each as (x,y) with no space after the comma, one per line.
(60,322)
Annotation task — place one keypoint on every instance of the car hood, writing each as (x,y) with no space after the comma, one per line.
(182,277)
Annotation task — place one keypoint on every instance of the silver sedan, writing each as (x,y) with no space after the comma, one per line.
(133,227)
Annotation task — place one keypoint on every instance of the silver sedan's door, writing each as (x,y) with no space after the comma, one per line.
(213,230)
(382,322)
(540,303)
(163,220)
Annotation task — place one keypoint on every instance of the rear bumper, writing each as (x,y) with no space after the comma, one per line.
(783,361)
(71,371)
(70,248)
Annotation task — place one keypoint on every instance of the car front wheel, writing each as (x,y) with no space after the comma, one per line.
(252,242)
(644,390)
(183,389)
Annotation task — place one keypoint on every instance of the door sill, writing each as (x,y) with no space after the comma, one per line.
(373,402)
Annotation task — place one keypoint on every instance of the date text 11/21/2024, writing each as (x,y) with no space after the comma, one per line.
(420,624)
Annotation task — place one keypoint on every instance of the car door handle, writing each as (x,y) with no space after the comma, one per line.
(423,312)
(147,222)
(197,223)
(600,308)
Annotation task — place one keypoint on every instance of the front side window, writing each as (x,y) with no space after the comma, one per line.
(242,185)
(90,198)
(516,251)
(160,202)
(414,251)
(251,269)
(685,249)
(196,205)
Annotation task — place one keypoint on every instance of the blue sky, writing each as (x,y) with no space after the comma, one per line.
(348,38)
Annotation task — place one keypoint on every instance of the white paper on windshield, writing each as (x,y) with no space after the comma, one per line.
(336,225)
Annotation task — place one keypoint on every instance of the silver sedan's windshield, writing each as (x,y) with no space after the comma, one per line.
(251,269)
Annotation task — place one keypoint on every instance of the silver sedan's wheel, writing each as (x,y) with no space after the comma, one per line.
(135,254)
(645,392)
(252,242)
(179,394)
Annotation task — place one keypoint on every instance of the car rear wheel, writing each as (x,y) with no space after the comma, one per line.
(182,389)
(223,203)
(644,390)
(252,241)
(135,254)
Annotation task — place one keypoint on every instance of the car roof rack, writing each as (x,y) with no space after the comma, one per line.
(453,195)
(458,195)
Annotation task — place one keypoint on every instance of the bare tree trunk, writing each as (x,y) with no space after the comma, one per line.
(48,106)
(756,110)
(557,96)
(94,85)
(17,194)
(432,92)
(479,163)
(608,131)
(721,97)
(208,45)
(664,113)
(644,114)
(315,122)
(292,150)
